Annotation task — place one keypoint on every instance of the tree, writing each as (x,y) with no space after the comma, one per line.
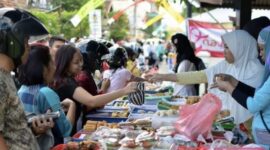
(120,28)
(69,5)
(62,25)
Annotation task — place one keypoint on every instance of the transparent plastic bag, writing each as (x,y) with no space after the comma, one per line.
(198,118)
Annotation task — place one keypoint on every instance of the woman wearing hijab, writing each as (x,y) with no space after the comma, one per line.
(254,26)
(240,61)
(258,103)
(185,61)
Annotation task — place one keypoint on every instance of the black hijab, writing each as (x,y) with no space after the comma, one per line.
(254,26)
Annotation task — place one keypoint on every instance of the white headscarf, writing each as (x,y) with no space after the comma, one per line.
(246,68)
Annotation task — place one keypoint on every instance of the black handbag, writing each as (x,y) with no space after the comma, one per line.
(264,122)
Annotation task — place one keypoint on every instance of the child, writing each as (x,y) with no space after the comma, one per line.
(119,76)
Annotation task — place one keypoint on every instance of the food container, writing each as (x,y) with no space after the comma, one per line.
(153,100)
(141,112)
(108,115)
(146,139)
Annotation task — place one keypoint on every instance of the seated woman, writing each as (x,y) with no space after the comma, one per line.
(240,61)
(119,76)
(69,63)
(38,98)
(258,103)
(185,61)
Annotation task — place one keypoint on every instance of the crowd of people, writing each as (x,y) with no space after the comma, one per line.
(58,75)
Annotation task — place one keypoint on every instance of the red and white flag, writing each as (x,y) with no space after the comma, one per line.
(207,36)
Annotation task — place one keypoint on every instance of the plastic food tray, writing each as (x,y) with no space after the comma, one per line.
(105,115)
(142,112)
(153,100)
(113,105)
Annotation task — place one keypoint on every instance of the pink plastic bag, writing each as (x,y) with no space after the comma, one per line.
(198,118)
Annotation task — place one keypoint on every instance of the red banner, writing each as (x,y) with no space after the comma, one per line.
(207,36)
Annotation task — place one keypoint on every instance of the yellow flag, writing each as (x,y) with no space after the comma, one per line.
(170,10)
(152,21)
(84,11)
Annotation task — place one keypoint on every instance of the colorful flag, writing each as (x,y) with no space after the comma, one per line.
(84,11)
(152,21)
(170,10)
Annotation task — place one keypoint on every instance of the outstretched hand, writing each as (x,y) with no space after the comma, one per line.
(131,87)
(153,77)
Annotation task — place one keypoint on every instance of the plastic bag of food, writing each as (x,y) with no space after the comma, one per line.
(198,118)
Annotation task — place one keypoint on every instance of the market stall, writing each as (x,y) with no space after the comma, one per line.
(163,122)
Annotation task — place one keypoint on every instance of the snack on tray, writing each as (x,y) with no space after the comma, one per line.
(112,125)
(120,114)
(225,113)
(165,131)
(143,121)
(112,141)
(84,145)
(164,113)
(101,123)
(90,126)
(192,99)
(87,145)
(129,140)
(163,105)
(93,125)
(72,146)
(146,139)
(122,103)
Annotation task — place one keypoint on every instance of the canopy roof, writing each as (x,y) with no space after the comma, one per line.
(256,4)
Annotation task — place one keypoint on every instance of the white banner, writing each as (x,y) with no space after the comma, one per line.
(207,36)
(95,23)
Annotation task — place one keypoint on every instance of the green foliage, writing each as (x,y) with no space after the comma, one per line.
(51,24)
(69,30)
(69,5)
(59,23)
(120,28)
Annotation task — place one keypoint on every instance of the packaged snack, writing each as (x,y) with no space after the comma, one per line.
(165,131)
(146,139)
(164,143)
(86,145)
(164,113)
(192,99)
(112,141)
(90,126)
(72,146)
(128,142)
(225,113)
